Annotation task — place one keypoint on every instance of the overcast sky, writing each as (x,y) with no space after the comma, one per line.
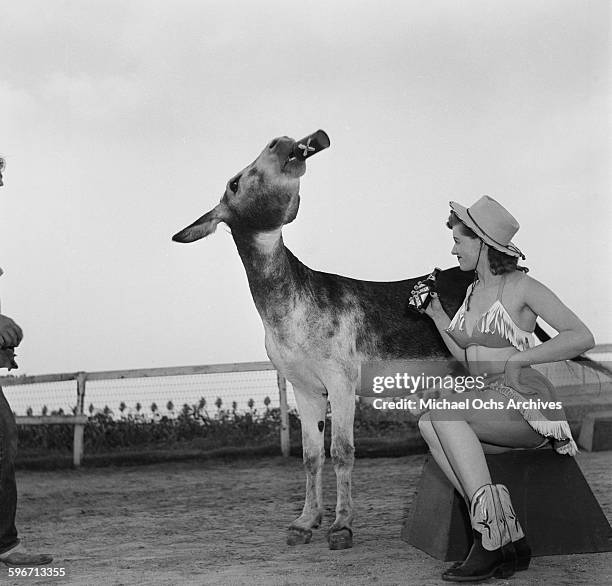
(122,121)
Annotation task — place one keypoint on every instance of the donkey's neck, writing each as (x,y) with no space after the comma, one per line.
(267,242)
(269,270)
(263,254)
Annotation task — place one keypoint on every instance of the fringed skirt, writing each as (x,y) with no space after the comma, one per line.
(537,402)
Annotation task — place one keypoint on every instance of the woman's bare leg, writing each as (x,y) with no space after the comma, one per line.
(464,453)
(460,434)
(437,452)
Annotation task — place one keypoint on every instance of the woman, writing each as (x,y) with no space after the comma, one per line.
(491,334)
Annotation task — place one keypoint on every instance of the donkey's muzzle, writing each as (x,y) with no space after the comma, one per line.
(310,145)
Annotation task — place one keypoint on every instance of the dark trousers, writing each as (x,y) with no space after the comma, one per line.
(8,487)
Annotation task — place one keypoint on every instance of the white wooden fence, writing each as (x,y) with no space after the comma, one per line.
(79,419)
(561,374)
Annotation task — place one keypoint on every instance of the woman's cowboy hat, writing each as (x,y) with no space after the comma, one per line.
(491,222)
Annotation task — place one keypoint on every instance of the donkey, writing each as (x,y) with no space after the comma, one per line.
(319,327)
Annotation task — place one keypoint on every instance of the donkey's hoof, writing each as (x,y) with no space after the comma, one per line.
(298,536)
(340,539)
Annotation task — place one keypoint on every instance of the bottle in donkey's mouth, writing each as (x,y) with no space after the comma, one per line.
(310,145)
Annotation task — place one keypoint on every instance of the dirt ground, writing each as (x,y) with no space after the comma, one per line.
(224,523)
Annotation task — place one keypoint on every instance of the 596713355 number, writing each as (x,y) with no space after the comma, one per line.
(39,571)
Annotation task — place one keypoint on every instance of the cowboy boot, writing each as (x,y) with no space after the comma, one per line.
(492,553)
(521,547)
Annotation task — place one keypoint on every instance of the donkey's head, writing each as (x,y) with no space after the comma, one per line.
(262,197)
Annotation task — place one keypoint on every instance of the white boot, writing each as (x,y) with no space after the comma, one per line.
(521,547)
(492,552)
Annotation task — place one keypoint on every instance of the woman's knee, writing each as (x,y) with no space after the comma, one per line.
(425,426)
(437,416)
(427,430)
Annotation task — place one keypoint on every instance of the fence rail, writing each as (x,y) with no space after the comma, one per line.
(563,374)
(79,419)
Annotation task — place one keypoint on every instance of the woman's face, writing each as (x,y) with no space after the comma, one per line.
(466,249)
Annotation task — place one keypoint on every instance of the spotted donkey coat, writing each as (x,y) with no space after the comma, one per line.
(318,326)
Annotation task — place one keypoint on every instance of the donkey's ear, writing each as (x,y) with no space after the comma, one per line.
(203,226)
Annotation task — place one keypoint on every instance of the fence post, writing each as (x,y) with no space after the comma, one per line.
(79,428)
(284,415)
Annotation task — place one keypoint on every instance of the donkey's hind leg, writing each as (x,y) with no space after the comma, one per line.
(342,401)
(312,406)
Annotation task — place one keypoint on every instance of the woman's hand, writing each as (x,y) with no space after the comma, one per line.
(435,310)
(512,371)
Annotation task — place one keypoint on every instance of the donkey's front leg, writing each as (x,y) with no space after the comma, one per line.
(312,406)
(342,401)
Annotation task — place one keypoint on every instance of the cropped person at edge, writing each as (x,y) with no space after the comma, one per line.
(12,551)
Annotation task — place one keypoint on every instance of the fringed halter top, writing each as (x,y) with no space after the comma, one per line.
(494,329)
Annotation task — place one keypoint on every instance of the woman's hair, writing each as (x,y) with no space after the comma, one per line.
(499,262)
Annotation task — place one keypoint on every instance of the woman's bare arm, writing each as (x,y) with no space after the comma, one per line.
(442,321)
(573,338)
